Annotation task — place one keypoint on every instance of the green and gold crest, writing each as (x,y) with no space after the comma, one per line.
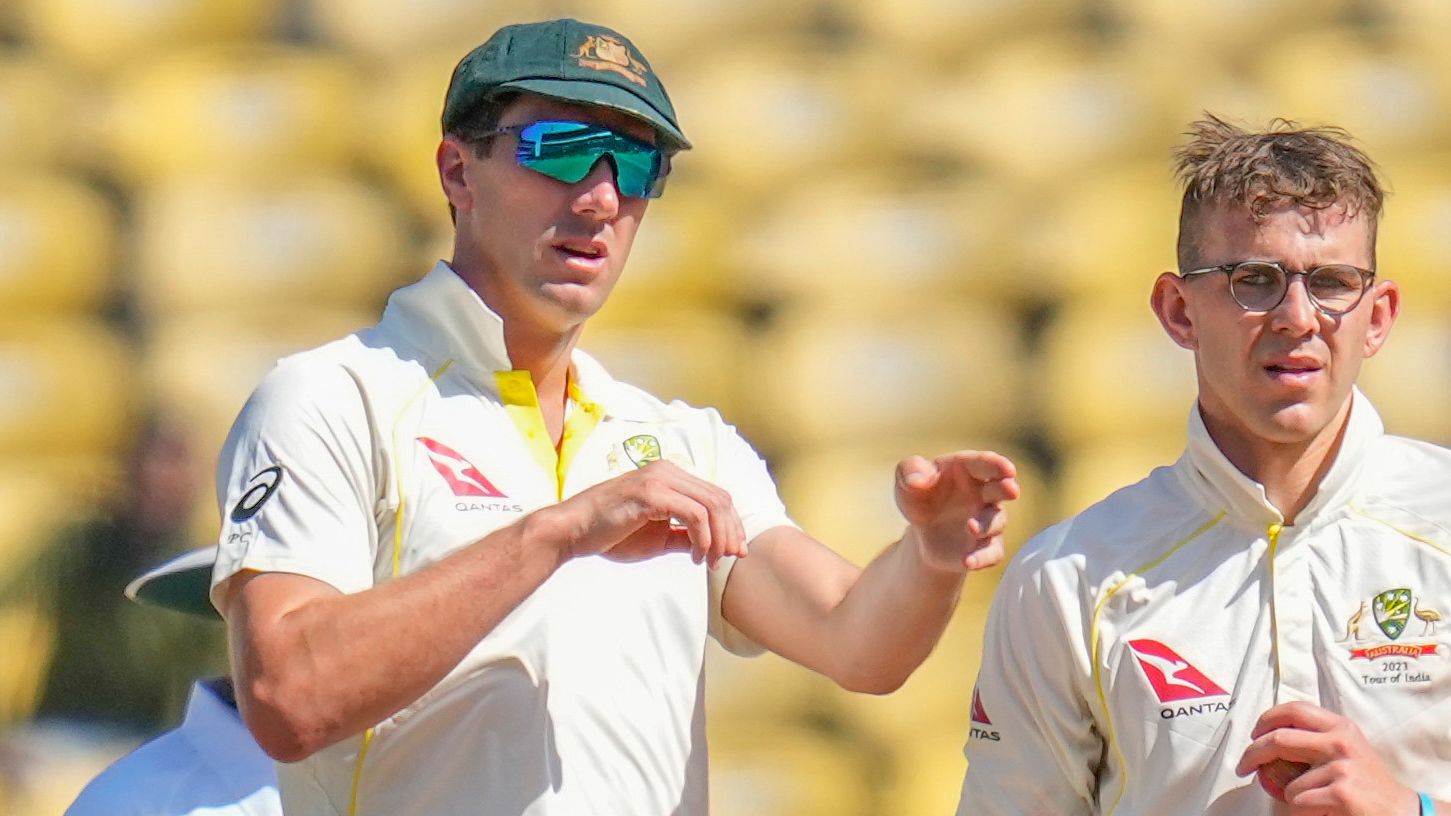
(642,449)
(1392,610)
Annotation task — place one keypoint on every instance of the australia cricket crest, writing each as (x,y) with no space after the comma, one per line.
(1392,610)
(642,449)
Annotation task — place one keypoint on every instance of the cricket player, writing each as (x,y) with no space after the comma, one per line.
(466,571)
(1254,629)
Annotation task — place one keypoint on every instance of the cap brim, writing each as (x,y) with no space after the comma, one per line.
(183,584)
(606,95)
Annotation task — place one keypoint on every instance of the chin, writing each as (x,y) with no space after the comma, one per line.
(1296,423)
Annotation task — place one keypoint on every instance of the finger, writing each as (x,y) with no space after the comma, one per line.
(986,556)
(988,522)
(1291,744)
(1298,714)
(1000,490)
(1304,789)
(982,466)
(916,474)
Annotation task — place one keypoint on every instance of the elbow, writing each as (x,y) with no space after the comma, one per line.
(283,728)
(871,680)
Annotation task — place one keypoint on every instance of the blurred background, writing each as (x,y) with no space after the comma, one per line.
(907,226)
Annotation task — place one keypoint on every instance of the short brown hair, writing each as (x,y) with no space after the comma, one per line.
(1284,164)
(477,130)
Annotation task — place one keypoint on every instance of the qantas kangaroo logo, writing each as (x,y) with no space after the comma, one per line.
(461,475)
(1171,676)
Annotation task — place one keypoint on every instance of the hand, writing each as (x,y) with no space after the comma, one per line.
(954,506)
(1346,777)
(655,509)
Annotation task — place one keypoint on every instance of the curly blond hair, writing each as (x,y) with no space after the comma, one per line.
(1316,168)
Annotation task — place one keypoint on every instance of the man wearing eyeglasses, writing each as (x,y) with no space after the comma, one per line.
(1260,620)
(467,572)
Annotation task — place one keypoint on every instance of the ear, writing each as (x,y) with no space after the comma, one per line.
(1172,309)
(1384,308)
(451,159)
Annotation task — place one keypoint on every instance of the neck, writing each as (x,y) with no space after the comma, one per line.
(1290,472)
(546,356)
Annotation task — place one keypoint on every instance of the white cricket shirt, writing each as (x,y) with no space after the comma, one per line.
(207,766)
(1131,649)
(380,453)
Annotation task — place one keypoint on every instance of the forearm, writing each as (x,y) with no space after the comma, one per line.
(890,619)
(328,668)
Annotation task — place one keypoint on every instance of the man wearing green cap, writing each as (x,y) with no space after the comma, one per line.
(465,571)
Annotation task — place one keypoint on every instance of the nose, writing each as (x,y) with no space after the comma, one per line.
(1296,313)
(598,195)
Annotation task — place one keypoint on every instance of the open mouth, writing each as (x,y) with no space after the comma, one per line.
(584,250)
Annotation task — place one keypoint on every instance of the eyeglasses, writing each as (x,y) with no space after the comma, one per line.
(1259,286)
(568,151)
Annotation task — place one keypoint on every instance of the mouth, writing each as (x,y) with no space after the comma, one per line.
(583,253)
(1293,372)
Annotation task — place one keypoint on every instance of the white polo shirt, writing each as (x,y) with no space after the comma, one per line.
(1131,649)
(380,453)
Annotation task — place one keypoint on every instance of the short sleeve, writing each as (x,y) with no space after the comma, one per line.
(743,474)
(1033,747)
(296,482)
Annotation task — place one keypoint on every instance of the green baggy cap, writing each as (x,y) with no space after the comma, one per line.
(567,60)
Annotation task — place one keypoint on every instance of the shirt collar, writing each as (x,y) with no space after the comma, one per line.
(1224,486)
(444,317)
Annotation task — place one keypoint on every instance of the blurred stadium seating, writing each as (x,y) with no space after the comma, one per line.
(907,227)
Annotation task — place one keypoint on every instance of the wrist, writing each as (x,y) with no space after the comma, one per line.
(544,529)
(929,565)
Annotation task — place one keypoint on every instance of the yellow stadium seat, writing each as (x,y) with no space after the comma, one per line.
(776,770)
(32,509)
(401,113)
(210,243)
(693,29)
(1108,371)
(1388,99)
(940,368)
(764,114)
(865,238)
(1409,381)
(947,30)
(66,387)
(927,774)
(1415,233)
(767,689)
(1222,29)
(937,696)
(1106,234)
(102,34)
(57,245)
(39,105)
(384,30)
(844,494)
(1032,108)
(260,111)
(673,352)
(1090,471)
(203,366)
(681,255)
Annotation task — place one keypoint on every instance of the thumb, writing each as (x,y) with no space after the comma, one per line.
(916,474)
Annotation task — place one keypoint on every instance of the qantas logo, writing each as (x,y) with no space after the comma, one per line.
(980,718)
(979,714)
(461,475)
(1171,676)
